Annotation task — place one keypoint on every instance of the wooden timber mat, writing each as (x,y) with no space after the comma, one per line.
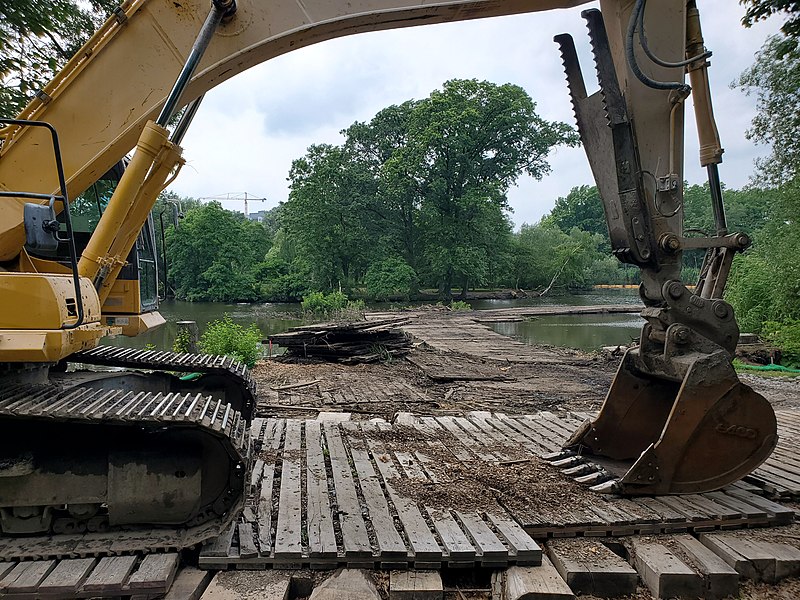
(429,492)
(142,577)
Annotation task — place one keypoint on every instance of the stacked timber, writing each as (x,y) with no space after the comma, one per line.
(352,342)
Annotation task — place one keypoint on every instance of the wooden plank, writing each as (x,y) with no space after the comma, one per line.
(247,544)
(664,573)
(110,574)
(389,541)
(482,437)
(271,442)
(787,558)
(5,567)
(523,547)
(319,521)
(156,572)
(26,576)
(779,514)
(220,545)
(466,440)
(539,583)
(415,585)
(720,579)
(591,568)
(459,549)
(68,575)
(189,584)
(354,531)
(490,549)
(523,428)
(734,559)
(760,558)
(288,535)
(423,544)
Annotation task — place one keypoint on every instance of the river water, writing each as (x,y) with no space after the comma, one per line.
(587,332)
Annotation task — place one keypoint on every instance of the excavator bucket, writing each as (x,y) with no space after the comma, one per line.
(658,436)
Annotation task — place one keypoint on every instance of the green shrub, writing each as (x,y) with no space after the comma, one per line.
(182,339)
(334,305)
(458,305)
(231,339)
(390,278)
(785,336)
(323,304)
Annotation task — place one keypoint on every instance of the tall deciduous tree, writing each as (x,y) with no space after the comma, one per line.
(774,78)
(467,144)
(37,37)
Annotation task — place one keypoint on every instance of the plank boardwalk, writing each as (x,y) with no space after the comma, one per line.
(146,577)
(331,494)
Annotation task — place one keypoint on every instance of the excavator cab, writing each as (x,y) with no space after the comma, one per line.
(133,300)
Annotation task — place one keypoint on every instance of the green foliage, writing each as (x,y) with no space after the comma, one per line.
(182,340)
(215,255)
(388,279)
(37,37)
(785,336)
(582,208)
(459,305)
(320,303)
(758,10)
(774,78)
(231,339)
(425,182)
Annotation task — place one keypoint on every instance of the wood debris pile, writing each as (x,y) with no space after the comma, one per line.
(355,342)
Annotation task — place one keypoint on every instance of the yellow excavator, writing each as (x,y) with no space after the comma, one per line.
(135,459)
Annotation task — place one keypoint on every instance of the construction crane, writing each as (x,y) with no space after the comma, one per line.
(238,197)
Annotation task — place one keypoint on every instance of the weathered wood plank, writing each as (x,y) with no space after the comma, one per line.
(220,546)
(288,535)
(156,572)
(490,548)
(415,585)
(321,536)
(354,531)
(664,573)
(26,576)
(423,544)
(720,579)
(523,547)
(247,544)
(591,568)
(536,583)
(389,541)
(273,433)
(110,574)
(459,549)
(189,584)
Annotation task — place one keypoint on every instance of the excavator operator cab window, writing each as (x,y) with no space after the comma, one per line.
(86,210)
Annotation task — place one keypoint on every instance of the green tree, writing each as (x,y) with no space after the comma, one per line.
(467,144)
(758,10)
(325,214)
(214,255)
(37,37)
(581,208)
(390,278)
(774,79)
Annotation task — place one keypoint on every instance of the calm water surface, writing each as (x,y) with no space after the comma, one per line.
(587,332)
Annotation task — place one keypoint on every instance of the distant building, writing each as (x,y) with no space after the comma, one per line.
(258,216)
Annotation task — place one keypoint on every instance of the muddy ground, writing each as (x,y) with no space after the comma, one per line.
(431,382)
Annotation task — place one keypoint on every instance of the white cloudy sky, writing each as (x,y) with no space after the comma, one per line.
(249,129)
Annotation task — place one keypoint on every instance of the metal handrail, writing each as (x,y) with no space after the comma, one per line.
(63,197)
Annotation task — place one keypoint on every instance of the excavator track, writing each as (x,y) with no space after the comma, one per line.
(57,443)
(156,360)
